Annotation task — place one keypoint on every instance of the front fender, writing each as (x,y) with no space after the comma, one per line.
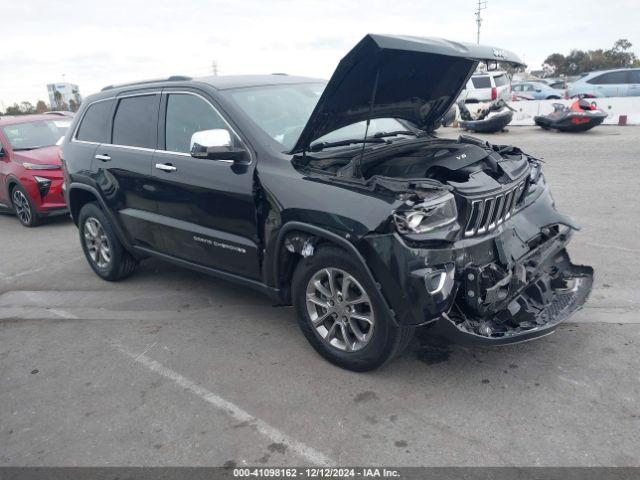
(342,240)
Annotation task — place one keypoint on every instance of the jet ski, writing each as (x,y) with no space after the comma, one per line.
(487,120)
(579,117)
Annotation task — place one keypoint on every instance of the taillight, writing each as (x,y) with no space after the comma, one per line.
(494,93)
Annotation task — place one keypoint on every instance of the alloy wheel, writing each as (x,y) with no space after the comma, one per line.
(21,206)
(97,243)
(340,309)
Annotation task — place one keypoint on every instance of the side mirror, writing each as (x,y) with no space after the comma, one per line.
(215,145)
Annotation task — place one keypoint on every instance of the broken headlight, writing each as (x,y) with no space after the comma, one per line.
(535,172)
(536,180)
(426,216)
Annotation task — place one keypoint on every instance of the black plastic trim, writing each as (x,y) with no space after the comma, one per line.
(338,240)
(271,292)
(105,208)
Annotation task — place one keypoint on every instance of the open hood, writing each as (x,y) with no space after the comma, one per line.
(411,78)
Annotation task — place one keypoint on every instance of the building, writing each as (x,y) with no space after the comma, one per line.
(64,96)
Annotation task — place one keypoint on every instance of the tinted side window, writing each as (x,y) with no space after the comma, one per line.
(136,121)
(481,82)
(610,78)
(635,76)
(187,114)
(95,123)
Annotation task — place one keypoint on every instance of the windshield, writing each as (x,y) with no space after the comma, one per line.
(282,112)
(38,134)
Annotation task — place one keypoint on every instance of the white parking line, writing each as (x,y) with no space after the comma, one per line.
(231,409)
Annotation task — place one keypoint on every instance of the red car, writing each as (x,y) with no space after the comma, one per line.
(31,176)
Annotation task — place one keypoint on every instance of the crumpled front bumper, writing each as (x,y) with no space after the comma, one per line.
(513,285)
(536,311)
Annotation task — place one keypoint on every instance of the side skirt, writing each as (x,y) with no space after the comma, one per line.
(271,292)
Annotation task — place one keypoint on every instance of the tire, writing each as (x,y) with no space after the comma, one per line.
(23,207)
(95,229)
(379,340)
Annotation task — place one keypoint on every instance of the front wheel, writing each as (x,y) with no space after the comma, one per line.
(23,207)
(341,314)
(102,248)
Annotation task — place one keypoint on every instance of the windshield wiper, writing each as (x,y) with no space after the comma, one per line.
(316,147)
(394,134)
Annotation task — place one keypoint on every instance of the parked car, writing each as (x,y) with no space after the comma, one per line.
(623,82)
(537,90)
(31,176)
(557,83)
(487,87)
(334,197)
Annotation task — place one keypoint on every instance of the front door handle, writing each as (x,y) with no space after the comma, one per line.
(104,158)
(166,167)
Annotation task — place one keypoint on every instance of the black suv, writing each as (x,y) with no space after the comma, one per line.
(333,196)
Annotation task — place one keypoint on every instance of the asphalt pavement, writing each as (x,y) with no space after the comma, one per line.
(171,367)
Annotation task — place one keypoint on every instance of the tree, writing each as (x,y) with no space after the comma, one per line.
(27,108)
(554,63)
(579,61)
(57,97)
(41,107)
(13,110)
(24,108)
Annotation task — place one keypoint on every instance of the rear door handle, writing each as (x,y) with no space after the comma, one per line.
(166,167)
(104,158)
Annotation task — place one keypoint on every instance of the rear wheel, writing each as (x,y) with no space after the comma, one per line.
(23,207)
(341,314)
(102,248)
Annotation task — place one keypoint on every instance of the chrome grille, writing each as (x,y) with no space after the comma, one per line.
(489,212)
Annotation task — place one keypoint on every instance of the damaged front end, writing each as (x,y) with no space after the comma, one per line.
(500,273)
(516,299)
(461,232)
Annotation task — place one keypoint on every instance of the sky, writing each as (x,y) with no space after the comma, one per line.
(97,43)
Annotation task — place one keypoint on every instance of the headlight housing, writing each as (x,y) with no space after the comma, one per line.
(535,172)
(38,166)
(44,184)
(426,216)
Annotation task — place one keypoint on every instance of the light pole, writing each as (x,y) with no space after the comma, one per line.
(482,4)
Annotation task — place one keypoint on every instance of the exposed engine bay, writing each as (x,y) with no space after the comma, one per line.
(467,164)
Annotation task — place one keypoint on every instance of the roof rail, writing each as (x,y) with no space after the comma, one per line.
(172,78)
